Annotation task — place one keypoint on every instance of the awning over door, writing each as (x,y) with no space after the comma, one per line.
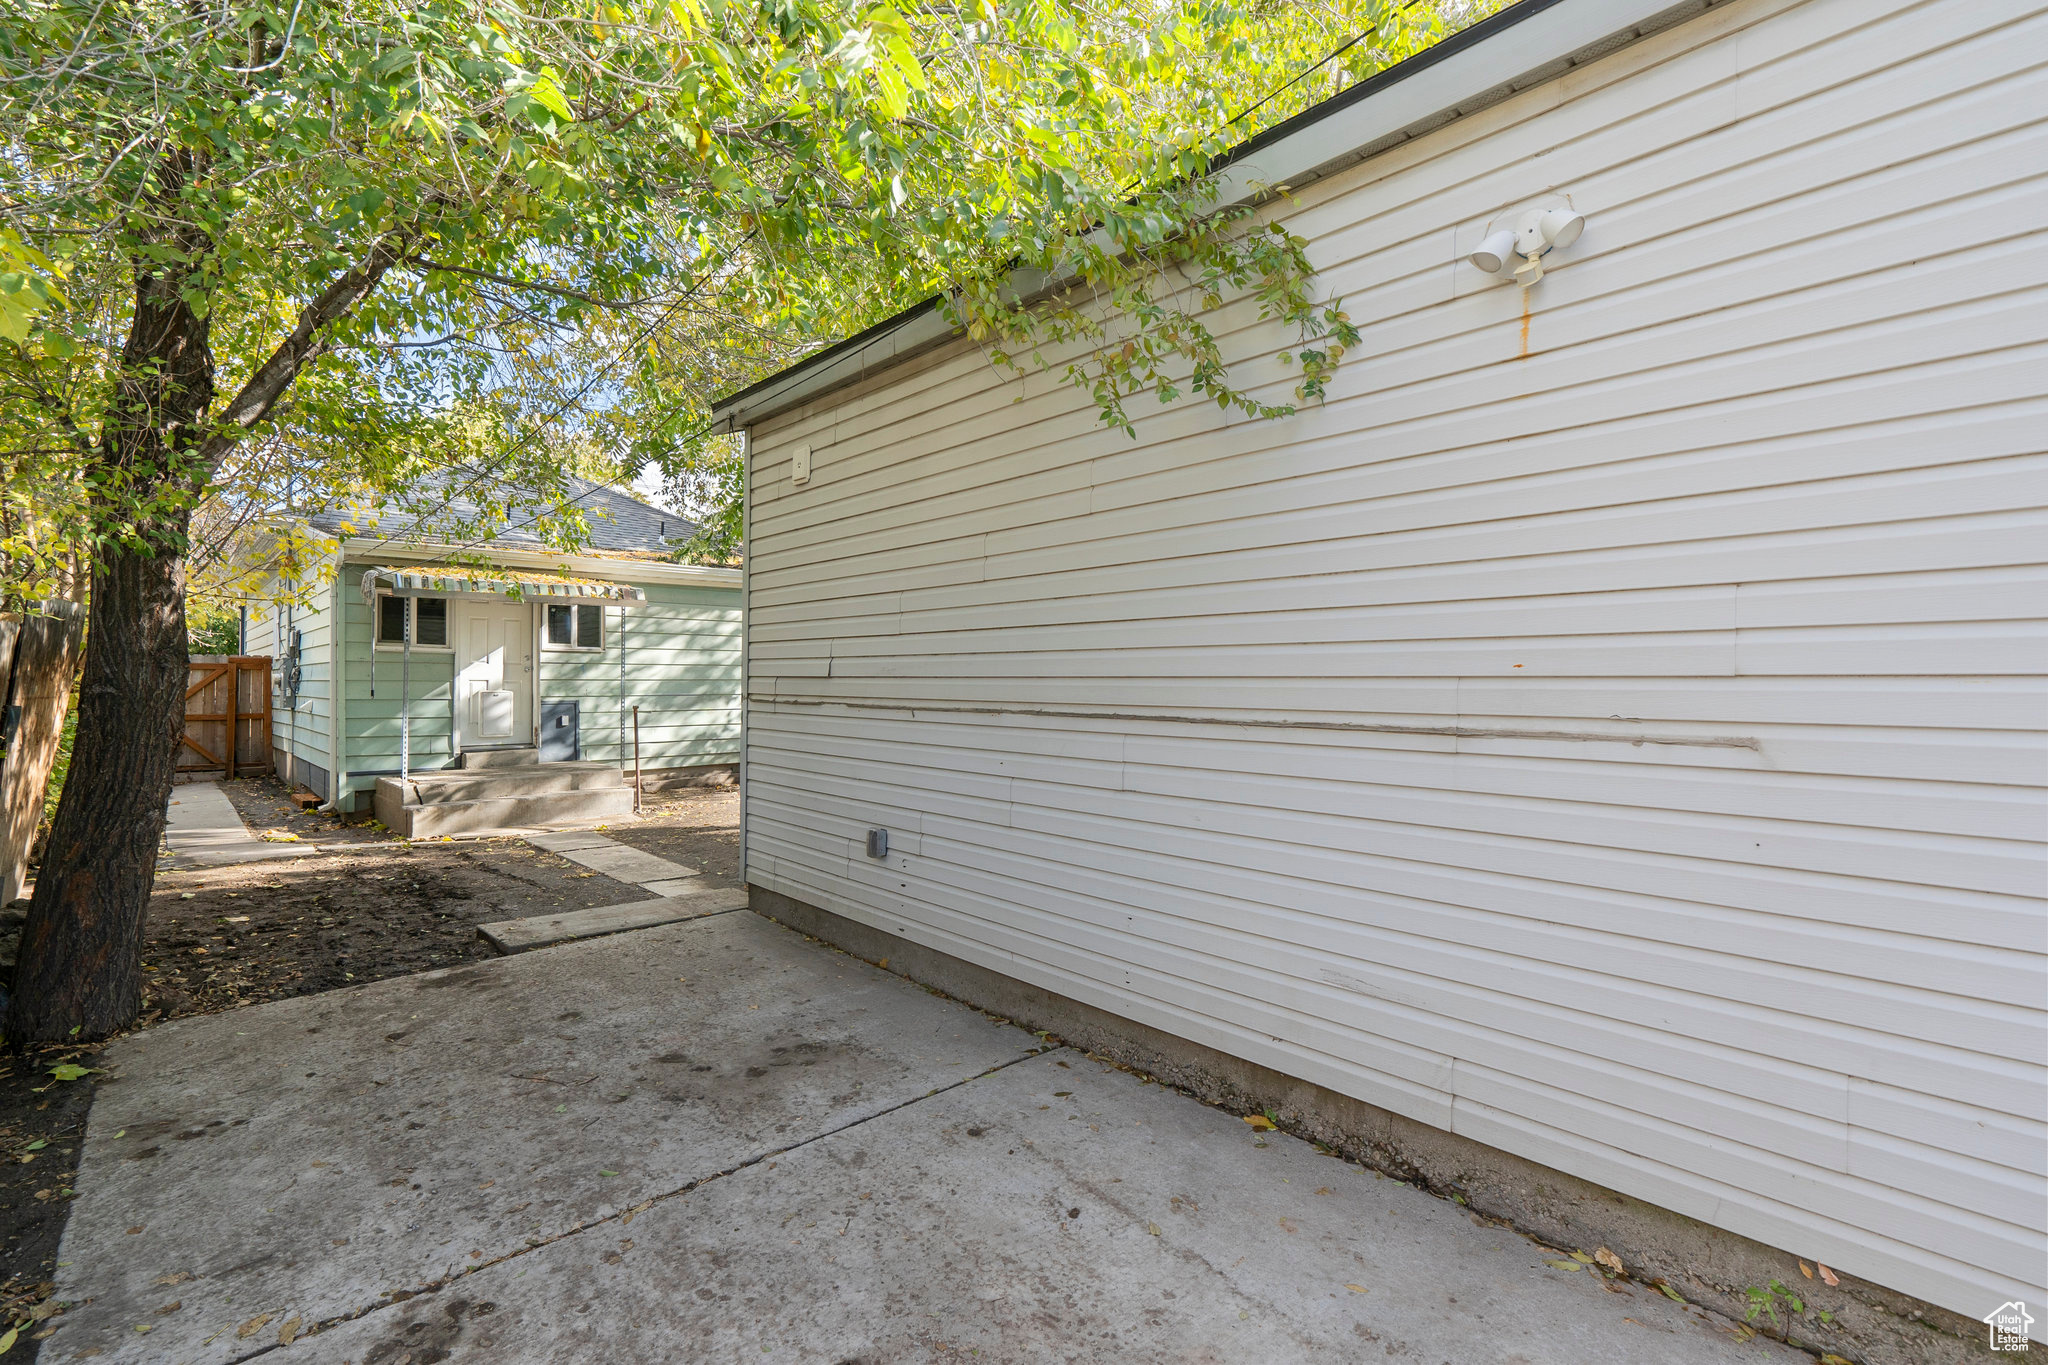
(442,580)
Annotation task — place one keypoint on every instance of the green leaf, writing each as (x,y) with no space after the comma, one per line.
(71,1071)
(546,91)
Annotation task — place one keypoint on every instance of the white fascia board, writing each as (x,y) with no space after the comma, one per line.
(1540,48)
(366,549)
(1434,92)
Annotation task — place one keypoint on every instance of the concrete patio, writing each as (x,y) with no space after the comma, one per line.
(717,1140)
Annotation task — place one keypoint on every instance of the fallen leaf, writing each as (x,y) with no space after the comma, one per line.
(236,919)
(1357,1288)
(1832,1359)
(290,1330)
(178,1278)
(1609,1259)
(1828,1275)
(279,836)
(253,1326)
(1582,1258)
(1564,1265)
(1152,1228)
(173,1306)
(7,1339)
(70,1071)
(607,1173)
(1260,1123)
(1668,1292)
(1806,1270)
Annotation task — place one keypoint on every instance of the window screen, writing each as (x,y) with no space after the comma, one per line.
(430,621)
(575,627)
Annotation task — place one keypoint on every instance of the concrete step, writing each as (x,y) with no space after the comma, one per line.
(499,758)
(436,818)
(457,784)
(542,931)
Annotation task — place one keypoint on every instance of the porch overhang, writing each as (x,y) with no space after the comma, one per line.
(444,580)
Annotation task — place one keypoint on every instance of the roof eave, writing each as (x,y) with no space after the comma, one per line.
(634,570)
(1467,72)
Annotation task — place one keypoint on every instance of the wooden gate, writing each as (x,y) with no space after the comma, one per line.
(227,714)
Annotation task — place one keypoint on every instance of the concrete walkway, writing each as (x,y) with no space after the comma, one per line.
(203,829)
(658,876)
(718,1140)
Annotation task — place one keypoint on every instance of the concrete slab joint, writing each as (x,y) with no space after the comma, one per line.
(719,1140)
(1703,1265)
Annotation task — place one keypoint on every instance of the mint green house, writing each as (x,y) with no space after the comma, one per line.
(522,689)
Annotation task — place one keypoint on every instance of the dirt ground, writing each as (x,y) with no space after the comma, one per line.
(365,907)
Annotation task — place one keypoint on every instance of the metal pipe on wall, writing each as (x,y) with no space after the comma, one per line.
(623,614)
(405,694)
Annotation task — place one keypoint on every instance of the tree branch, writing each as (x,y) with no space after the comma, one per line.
(557,290)
(300,346)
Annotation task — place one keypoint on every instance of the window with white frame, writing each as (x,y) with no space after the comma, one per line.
(577,626)
(429,621)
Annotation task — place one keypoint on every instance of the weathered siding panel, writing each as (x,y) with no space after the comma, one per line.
(1614,733)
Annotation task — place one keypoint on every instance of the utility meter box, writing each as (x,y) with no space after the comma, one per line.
(560,741)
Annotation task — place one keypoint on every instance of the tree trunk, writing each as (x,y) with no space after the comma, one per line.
(80,962)
(78,973)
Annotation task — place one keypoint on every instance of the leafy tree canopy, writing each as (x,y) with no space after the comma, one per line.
(417,232)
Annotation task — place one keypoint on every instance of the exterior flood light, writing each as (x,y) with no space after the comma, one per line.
(1534,234)
(1561,227)
(1496,253)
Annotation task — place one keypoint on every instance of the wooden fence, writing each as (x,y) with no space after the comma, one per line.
(227,714)
(38,653)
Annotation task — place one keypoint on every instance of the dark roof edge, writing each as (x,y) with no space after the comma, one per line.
(1465,73)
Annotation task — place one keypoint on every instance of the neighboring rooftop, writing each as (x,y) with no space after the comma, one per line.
(445,508)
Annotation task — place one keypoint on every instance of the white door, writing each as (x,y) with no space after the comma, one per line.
(493,673)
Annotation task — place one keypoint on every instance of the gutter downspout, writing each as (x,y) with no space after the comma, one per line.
(746,579)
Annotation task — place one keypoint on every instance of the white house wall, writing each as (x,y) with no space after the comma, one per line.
(1612,732)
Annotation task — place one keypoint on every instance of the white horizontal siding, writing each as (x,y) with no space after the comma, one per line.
(1614,733)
